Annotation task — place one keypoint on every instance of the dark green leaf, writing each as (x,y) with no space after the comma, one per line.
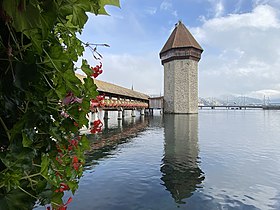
(26,142)
(45,161)
(86,68)
(85,142)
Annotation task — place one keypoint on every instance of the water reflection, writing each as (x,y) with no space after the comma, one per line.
(181,174)
(103,143)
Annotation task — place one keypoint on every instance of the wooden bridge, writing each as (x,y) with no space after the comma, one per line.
(115,97)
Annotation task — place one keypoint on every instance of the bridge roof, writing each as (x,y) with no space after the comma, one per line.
(113,89)
(180,38)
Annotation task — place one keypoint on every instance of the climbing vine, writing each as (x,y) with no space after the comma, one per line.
(43,104)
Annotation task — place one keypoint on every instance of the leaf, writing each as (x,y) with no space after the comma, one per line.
(45,165)
(48,17)
(90,87)
(79,17)
(103,3)
(57,198)
(26,75)
(71,81)
(73,185)
(26,142)
(16,199)
(85,142)
(23,20)
(86,68)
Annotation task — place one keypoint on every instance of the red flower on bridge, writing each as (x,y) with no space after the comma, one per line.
(96,70)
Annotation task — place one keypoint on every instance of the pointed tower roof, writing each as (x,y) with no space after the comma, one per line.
(180,38)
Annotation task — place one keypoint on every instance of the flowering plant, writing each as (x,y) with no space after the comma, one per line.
(43,104)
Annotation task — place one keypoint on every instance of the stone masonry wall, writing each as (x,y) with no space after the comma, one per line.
(169,87)
(181,87)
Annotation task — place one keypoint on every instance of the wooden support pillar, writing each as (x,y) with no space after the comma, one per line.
(106,114)
(142,111)
(106,124)
(142,118)
(133,114)
(120,114)
(120,125)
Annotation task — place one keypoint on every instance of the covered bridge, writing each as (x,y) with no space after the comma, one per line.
(113,91)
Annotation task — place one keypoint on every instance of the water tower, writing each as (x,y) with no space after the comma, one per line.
(180,56)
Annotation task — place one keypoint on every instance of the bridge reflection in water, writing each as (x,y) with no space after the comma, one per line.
(181,174)
(121,131)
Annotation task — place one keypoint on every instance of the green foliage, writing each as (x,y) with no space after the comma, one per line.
(40,150)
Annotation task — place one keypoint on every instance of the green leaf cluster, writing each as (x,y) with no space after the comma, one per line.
(38,48)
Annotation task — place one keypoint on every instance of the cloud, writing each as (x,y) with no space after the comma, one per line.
(262,17)
(241,53)
(175,13)
(144,72)
(267,93)
(151,10)
(166,5)
(219,9)
(273,3)
(238,6)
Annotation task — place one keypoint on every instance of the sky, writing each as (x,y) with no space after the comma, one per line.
(240,38)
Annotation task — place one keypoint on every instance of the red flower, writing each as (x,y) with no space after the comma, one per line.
(96,70)
(63,187)
(99,101)
(97,126)
(64,206)
(75,163)
(73,143)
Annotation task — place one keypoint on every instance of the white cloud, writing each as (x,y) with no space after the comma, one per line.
(271,94)
(274,3)
(219,9)
(238,6)
(241,53)
(151,10)
(175,13)
(143,72)
(166,5)
(262,17)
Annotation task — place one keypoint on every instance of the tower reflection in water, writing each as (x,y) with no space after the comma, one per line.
(181,174)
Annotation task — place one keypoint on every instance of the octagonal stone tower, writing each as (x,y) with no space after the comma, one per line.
(180,56)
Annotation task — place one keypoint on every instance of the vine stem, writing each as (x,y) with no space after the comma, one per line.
(26,107)
(5,128)
(51,60)
(29,176)
(48,82)
(27,192)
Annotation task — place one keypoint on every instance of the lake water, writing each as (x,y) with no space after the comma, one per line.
(227,159)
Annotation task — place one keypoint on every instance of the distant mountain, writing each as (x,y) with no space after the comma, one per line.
(229,100)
